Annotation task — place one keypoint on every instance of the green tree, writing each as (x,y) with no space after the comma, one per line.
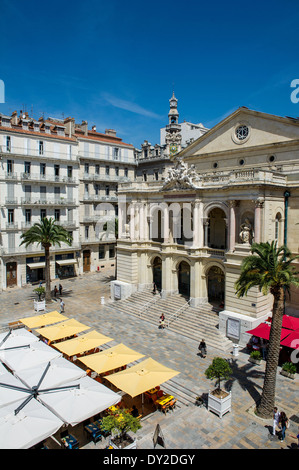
(270,269)
(46,233)
(120,421)
(219,370)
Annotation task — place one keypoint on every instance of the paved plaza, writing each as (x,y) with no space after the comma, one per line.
(187,427)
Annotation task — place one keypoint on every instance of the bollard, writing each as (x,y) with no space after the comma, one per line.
(235,350)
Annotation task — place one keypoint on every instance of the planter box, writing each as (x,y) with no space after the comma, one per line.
(287,374)
(218,405)
(128,444)
(255,361)
(39,306)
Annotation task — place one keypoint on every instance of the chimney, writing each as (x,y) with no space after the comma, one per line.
(84,128)
(111,132)
(14,118)
(69,126)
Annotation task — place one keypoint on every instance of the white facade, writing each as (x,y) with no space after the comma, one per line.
(59,169)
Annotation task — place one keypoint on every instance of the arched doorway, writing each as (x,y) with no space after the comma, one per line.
(157,272)
(86,261)
(184,278)
(217,230)
(11,274)
(216,285)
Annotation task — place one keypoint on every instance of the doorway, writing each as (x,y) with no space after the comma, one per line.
(86,261)
(11,274)
(157,272)
(216,285)
(184,279)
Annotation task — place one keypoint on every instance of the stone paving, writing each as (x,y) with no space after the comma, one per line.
(187,427)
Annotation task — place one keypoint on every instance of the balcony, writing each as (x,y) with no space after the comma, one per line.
(105,178)
(35,155)
(96,197)
(11,226)
(39,178)
(11,201)
(28,201)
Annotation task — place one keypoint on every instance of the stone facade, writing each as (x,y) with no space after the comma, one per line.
(190,232)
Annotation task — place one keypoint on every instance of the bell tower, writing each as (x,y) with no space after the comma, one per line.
(173,136)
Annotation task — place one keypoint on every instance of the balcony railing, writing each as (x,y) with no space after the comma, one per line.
(96,197)
(28,201)
(11,201)
(105,178)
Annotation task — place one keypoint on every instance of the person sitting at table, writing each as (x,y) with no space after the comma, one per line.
(134,412)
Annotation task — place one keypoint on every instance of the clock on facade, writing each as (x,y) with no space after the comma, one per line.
(173,149)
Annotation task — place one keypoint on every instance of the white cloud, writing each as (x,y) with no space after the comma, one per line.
(129,106)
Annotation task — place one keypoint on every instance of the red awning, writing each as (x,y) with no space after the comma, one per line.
(291,341)
(292,323)
(289,322)
(263,331)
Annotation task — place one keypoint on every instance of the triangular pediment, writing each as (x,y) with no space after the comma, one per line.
(263,129)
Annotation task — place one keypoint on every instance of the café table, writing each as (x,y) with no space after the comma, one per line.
(98,423)
(70,442)
(95,431)
(165,401)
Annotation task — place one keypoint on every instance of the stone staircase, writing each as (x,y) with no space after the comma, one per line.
(194,322)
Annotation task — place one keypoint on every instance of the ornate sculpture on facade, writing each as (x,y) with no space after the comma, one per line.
(181,177)
(246,233)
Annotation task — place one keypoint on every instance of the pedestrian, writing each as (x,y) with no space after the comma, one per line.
(264,346)
(60,289)
(55,291)
(275,420)
(40,284)
(203,348)
(283,424)
(62,304)
(161,321)
(154,288)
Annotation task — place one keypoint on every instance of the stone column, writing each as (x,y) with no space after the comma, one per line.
(141,221)
(206,228)
(166,231)
(232,225)
(257,219)
(132,221)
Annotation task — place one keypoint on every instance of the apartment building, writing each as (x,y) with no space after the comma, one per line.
(105,161)
(57,168)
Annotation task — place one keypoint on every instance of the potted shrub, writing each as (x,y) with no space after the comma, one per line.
(288,370)
(119,423)
(255,357)
(219,401)
(40,292)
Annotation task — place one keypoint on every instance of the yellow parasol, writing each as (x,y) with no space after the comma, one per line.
(42,320)
(111,358)
(62,330)
(82,343)
(142,377)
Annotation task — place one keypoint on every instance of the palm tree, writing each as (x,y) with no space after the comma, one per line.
(46,233)
(269,268)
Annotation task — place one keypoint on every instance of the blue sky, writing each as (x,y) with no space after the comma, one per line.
(115,64)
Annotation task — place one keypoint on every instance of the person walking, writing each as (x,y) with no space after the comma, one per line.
(203,348)
(275,420)
(55,291)
(161,321)
(283,424)
(60,289)
(62,304)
